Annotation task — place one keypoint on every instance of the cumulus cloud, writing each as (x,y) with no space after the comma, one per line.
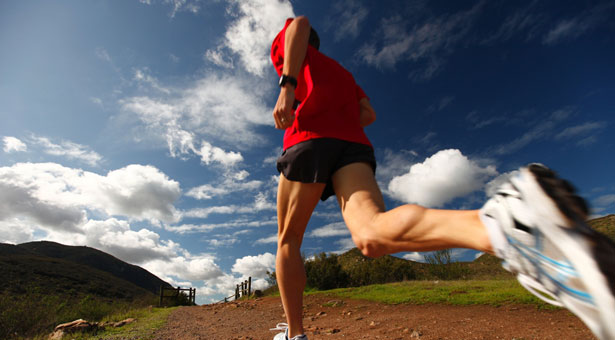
(134,246)
(68,149)
(415,256)
(12,144)
(446,175)
(194,268)
(59,197)
(254,266)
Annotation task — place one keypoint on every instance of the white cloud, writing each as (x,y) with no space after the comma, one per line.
(143,76)
(59,197)
(446,175)
(581,130)
(254,266)
(251,34)
(218,58)
(585,21)
(68,149)
(393,164)
(12,144)
(193,268)
(14,230)
(345,245)
(117,238)
(266,240)
(261,203)
(214,242)
(425,43)
(415,256)
(347,18)
(238,223)
(214,108)
(210,153)
(540,130)
(333,229)
(102,54)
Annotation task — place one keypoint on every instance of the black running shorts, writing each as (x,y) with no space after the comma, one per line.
(316,160)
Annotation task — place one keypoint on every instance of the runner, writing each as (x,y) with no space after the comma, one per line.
(534,223)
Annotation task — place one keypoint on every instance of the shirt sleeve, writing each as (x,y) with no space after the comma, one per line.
(277,48)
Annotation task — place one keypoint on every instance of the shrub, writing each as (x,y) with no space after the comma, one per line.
(324,272)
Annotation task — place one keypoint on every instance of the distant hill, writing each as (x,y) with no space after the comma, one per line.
(54,268)
(97,259)
(605,225)
(484,267)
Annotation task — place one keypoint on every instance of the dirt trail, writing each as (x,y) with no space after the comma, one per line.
(328,317)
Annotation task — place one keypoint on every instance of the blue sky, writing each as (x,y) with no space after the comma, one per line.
(144,129)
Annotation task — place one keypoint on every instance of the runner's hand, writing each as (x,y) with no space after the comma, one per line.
(283,110)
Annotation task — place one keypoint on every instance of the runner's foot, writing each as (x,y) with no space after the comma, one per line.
(536,223)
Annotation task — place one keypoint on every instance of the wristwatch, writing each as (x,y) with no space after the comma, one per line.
(288,79)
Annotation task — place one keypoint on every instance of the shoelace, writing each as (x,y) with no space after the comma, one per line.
(282,326)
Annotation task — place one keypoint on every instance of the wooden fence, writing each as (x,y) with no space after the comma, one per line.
(242,289)
(176,293)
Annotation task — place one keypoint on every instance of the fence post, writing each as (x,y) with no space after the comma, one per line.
(237,292)
(177,294)
(161,292)
(249,286)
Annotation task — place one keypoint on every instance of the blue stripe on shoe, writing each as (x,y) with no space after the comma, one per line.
(567,269)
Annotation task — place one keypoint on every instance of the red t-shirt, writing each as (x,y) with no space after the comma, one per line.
(329,98)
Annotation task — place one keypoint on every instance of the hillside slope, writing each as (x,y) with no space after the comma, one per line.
(605,225)
(33,273)
(99,260)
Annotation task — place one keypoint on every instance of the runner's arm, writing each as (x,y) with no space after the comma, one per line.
(295,47)
(367,115)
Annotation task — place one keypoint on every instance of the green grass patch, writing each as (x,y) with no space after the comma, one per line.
(471,292)
(148,321)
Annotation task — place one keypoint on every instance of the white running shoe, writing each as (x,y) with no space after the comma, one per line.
(284,335)
(540,234)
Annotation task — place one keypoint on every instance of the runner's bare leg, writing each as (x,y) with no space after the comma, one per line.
(409,227)
(296,202)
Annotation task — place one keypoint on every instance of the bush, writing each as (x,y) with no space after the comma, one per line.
(324,272)
(442,268)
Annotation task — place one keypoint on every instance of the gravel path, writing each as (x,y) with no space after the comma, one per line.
(328,317)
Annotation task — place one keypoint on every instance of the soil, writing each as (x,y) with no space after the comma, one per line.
(329,317)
